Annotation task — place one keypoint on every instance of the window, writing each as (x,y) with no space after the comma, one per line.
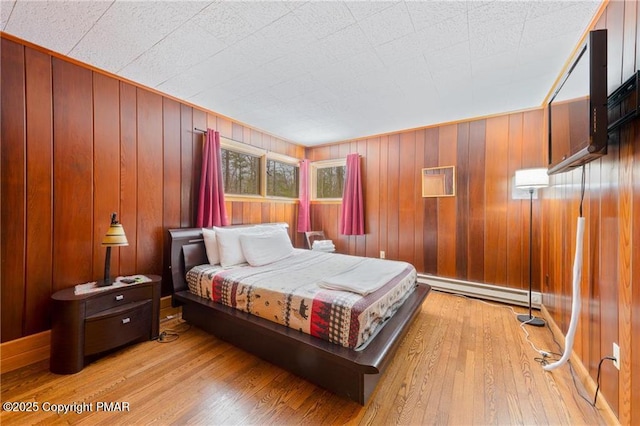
(327,179)
(248,171)
(240,173)
(282,179)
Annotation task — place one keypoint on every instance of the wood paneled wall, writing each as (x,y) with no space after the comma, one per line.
(478,235)
(77,145)
(610,286)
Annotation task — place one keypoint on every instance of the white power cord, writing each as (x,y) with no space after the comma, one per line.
(576,303)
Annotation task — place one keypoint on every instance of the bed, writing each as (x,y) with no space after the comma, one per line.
(350,368)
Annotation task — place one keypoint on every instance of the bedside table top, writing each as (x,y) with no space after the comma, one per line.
(69,293)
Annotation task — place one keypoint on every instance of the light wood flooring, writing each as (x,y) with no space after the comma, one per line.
(463,362)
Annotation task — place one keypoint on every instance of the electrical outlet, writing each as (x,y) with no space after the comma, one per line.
(616,355)
(381,254)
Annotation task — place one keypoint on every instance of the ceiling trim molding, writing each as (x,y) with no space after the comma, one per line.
(576,48)
(73,61)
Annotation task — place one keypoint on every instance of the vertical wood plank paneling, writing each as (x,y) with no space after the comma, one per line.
(114,142)
(171,186)
(256,213)
(630,39)
(256,138)
(106,168)
(236,213)
(265,213)
(224,126)
(384,197)
(534,154)
(393,183)
(372,196)
(609,280)
(615,43)
(237,132)
(39,228)
(608,198)
(12,117)
(186,160)
(517,219)
(447,205)
(246,213)
(361,240)
(72,174)
(150,162)
(128,177)
(475,250)
(610,210)
(634,369)
(246,134)
(591,329)
(430,229)
(418,260)
(625,230)
(462,200)
(497,143)
(406,197)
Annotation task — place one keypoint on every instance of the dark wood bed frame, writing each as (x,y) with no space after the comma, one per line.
(343,371)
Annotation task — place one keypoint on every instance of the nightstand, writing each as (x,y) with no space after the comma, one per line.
(86,325)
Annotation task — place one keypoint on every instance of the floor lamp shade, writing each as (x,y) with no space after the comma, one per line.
(115,237)
(531,179)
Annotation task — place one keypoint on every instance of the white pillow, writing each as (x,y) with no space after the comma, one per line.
(267,247)
(211,246)
(272,226)
(229,244)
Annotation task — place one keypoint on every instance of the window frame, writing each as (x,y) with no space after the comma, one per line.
(285,160)
(264,155)
(324,164)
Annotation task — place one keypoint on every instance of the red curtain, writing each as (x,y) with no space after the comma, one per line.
(304,219)
(352,220)
(211,208)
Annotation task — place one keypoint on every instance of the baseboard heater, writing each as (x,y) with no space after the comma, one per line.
(482,291)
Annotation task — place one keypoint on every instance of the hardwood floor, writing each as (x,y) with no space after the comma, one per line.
(462,362)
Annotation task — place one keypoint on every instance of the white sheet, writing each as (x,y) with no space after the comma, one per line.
(364,277)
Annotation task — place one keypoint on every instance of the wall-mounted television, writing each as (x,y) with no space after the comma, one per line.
(578,108)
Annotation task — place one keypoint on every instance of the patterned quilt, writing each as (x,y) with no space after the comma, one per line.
(287,292)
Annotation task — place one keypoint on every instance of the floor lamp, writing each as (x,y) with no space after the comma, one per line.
(531,179)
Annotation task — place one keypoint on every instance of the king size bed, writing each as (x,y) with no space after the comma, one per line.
(299,309)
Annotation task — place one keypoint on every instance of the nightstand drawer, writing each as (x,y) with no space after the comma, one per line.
(117,326)
(120,297)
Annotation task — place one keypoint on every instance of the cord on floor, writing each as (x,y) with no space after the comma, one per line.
(172,334)
(546,356)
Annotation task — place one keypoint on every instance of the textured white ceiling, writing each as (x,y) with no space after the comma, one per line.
(320,71)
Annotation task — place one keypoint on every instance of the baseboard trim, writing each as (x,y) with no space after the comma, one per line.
(582,373)
(24,351)
(508,295)
(34,348)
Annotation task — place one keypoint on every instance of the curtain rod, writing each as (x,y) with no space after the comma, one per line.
(235,141)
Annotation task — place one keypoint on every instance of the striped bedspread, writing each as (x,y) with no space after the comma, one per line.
(288,292)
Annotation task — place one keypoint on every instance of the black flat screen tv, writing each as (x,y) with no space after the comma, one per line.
(578,108)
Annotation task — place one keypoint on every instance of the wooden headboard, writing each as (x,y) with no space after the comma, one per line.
(187,251)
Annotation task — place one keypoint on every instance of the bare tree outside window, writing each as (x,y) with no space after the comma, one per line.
(240,173)
(330,182)
(282,179)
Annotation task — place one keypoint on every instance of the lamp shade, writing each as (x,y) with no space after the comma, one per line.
(531,178)
(115,236)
